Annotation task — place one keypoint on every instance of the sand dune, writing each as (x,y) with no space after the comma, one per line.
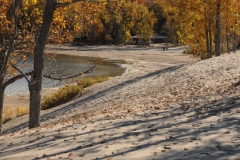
(162,109)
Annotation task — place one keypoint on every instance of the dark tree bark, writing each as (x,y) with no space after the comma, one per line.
(13,8)
(1,86)
(35,85)
(207,42)
(234,43)
(227,39)
(2,39)
(1,107)
(218,26)
(210,40)
(227,36)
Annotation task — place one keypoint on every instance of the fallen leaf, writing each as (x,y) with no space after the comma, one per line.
(81,155)
(157,108)
(167,147)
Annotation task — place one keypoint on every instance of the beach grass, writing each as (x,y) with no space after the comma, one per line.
(67,92)
(62,95)
(13,112)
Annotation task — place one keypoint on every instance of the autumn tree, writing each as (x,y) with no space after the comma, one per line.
(86,23)
(123,18)
(35,85)
(200,24)
(144,23)
(21,26)
(15,45)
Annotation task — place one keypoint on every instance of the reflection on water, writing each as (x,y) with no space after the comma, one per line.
(60,65)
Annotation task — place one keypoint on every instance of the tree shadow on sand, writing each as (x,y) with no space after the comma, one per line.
(88,99)
(204,132)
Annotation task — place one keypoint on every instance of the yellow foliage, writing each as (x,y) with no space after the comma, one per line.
(13,112)
(194,22)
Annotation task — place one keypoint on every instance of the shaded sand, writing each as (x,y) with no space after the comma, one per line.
(22,99)
(190,111)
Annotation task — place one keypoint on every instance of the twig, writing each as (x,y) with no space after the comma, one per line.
(71,76)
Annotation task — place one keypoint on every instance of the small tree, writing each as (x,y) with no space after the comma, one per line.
(20,39)
(10,40)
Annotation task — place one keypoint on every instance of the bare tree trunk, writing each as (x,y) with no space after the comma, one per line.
(1,88)
(93,34)
(234,43)
(1,39)
(1,82)
(1,107)
(218,26)
(227,39)
(207,42)
(210,40)
(35,85)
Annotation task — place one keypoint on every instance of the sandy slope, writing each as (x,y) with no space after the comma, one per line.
(189,111)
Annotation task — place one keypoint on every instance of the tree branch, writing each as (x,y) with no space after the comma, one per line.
(8,52)
(12,80)
(21,72)
(11,11)
(24,75)
(71,76)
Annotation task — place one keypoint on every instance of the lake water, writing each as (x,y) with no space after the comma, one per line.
(60,65)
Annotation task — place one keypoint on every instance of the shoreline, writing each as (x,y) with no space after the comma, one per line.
(186,111)
(132,66)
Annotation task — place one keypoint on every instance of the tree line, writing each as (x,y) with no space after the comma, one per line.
(209,27)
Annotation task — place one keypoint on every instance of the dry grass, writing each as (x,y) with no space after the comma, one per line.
(13,112)
(67,92)
(60,96)
(88,81)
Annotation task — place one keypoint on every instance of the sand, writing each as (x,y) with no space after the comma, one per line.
(159,110)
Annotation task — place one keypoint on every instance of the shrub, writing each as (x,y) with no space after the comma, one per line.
(61,96)
(67,92)
(10,112)
(88,81)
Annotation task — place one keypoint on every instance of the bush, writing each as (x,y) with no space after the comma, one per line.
(67,92)
(61,96)
(88,81)
(10,112)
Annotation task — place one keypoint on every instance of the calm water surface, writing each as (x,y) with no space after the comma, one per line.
(60,65)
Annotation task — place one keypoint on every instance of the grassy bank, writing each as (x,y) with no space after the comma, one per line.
(62,95)
(66,93)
